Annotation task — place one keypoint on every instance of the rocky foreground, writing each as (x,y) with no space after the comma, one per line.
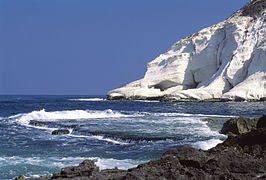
(241,156)
(223,62)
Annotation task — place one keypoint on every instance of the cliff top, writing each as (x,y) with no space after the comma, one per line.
(253,8)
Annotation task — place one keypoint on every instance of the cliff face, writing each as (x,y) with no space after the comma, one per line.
(226,61)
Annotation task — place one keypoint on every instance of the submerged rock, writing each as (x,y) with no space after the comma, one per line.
(223,62)
(210,120)
(118,135)
(21,177)
(60,132)
(41,123)
(52,124)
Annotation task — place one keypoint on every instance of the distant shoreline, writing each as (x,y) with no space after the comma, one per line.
(172,99)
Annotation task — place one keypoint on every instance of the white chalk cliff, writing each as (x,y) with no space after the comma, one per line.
(226,61)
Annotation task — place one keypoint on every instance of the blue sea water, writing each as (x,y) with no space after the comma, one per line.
(112,133)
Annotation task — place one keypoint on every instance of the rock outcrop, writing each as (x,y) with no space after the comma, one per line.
(262,122)
(226,61)
(237,126)
(60,132)
(241,125)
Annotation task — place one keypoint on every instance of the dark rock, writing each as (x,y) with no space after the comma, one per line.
(223,162)
(209,120)
(60,131)
(134,98)
(262,122)
(117,98)
(85,169)
(253,8)
(67,124)
(249,143)
(40,123)
(237,126)
(118,135)
(21,177)
(157,98)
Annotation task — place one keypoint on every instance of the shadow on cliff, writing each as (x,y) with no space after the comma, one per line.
(223,52)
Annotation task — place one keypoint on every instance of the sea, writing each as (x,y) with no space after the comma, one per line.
(119,134)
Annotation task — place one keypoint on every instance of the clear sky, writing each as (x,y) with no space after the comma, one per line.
(75,47)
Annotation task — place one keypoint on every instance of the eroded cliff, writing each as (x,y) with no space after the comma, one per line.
(226,61)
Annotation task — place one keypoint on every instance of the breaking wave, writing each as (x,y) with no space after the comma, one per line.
(189,115)
(59,162)
(100,138)
(174,126)
(43,115)
(88,99)
(121,164)
(208,144)
(33,164)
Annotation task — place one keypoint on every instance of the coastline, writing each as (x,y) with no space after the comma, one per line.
(173,99)
(241,156)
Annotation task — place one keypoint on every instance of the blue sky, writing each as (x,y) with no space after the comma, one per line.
(88,47)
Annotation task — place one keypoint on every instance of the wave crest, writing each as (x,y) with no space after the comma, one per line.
(88,99)
(43,115)
(208,144)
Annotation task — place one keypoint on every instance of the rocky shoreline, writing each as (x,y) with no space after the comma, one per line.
(173,99)
(241,156)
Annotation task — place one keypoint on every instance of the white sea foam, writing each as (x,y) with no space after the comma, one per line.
(43,115)
(172,120)
(121,164)
(13,160)
(42,161)
(197,131)
(64,115)
(208,144)
(60,162)
(189,115)
(100,138)
(88,99)
(193,126)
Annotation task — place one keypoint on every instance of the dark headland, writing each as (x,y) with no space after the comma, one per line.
(241,156)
